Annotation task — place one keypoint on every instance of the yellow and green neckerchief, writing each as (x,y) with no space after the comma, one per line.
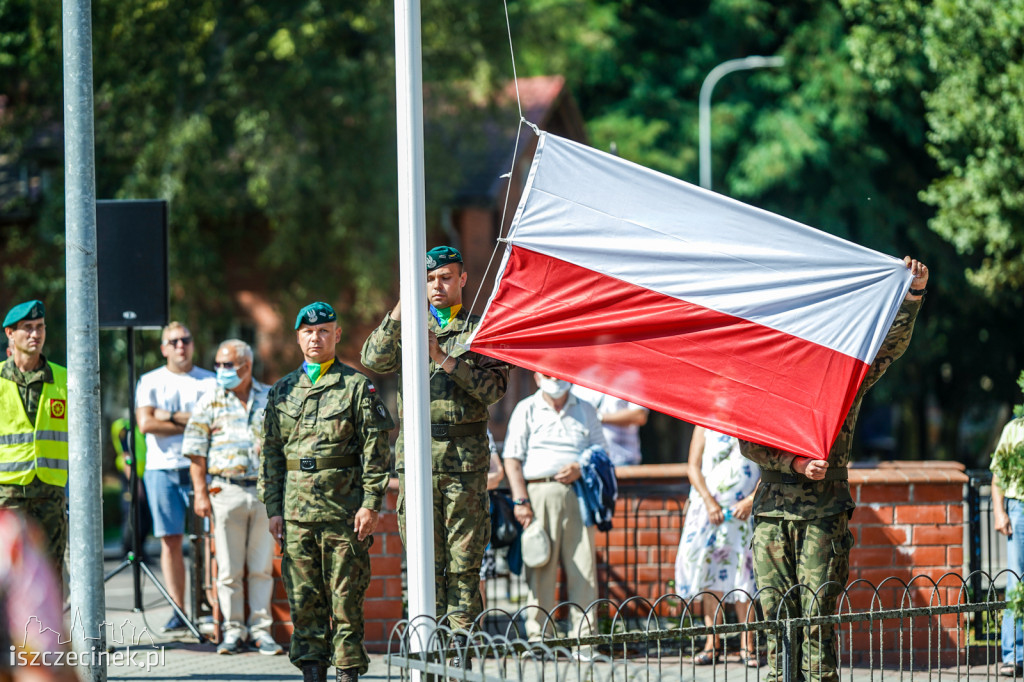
(444,316)
(315,371)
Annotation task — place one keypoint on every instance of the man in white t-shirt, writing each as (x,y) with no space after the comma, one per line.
(621,421)
(163,405)
(547,435)
(1008,510)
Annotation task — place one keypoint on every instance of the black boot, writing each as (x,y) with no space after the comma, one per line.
(348,674)
(460,648)
(314,672)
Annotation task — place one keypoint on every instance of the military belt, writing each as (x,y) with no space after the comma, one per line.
(831,474)
(322,463)
(450,431)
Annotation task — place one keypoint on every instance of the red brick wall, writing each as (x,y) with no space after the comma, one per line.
(909,522)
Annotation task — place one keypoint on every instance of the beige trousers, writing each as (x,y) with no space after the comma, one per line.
(241,531)
(556,508)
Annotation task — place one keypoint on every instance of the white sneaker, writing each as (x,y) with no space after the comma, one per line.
(266,645)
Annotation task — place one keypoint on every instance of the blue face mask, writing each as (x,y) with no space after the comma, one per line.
(227,377)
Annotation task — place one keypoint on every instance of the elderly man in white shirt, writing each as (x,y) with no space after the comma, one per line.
(547,434)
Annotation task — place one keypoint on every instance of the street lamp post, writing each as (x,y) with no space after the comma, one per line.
(704,104)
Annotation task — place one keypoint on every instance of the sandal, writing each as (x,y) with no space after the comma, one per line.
(1011,669)
(751,659)
(707,657)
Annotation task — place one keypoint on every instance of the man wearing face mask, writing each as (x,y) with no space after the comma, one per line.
(222,439)
(462,385)
(548,433)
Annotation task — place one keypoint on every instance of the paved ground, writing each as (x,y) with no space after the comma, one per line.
(180,656)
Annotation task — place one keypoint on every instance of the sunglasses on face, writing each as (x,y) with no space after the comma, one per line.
(183,340)
(225,365)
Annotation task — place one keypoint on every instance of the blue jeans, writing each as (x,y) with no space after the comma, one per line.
(1013,630)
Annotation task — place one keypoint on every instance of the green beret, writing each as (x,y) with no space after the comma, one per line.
(29,310)
(439,256)
(315,313)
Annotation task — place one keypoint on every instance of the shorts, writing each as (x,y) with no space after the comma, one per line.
(167,491)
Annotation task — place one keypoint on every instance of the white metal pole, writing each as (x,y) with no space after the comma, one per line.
(704,104)
(419,515)
(84,460)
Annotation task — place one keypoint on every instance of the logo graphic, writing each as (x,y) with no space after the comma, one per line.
(58,408)
(42,645)
(381,411)
(431,263)
(311,316)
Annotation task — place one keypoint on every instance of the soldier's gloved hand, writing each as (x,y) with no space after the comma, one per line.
(366,523)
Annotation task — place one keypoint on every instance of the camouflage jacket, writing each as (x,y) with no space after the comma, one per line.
(816,499)
(461,397)
(339,415)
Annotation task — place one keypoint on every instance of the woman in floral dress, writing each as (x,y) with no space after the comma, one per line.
(714,558)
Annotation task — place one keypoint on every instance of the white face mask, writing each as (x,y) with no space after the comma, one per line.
(555,388)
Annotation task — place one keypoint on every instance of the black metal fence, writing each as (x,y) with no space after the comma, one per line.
(922,627)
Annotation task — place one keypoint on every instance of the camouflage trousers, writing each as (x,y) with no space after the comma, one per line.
(462,530)
(326,571)
(801,569)
(46,505)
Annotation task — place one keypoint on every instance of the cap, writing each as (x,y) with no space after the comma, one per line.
(535,545)
(439,256)
(29,310)
(315,313)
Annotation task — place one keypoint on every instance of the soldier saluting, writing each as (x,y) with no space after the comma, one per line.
(462,386)
(323,479)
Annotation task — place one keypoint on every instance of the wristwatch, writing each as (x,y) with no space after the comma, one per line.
(519,501)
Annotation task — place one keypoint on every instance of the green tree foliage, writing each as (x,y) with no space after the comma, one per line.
(268,126)
(969,63)
(270,129)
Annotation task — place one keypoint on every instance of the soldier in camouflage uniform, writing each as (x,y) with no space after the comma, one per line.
(802,511)
(323,478)
(33,429)
(462,385)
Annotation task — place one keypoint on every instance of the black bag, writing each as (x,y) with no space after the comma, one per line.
(505,529)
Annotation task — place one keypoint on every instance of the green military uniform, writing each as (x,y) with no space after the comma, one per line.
(325,455)
(459,453)
(46,503)
(801,531)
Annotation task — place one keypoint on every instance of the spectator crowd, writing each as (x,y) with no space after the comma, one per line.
(302,467)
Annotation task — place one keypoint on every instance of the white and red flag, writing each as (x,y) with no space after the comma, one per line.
(630,282)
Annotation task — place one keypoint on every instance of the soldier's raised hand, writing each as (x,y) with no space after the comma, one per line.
(813,469)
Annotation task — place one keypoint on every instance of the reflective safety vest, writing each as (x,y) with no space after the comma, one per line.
(27,451)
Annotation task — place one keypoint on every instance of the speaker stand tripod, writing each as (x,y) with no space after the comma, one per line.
(132,559)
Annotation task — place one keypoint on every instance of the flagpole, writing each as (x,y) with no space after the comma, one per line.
(419,514)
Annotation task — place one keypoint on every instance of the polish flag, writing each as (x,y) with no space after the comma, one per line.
(639,285)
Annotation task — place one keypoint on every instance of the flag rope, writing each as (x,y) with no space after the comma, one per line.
(508,176)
